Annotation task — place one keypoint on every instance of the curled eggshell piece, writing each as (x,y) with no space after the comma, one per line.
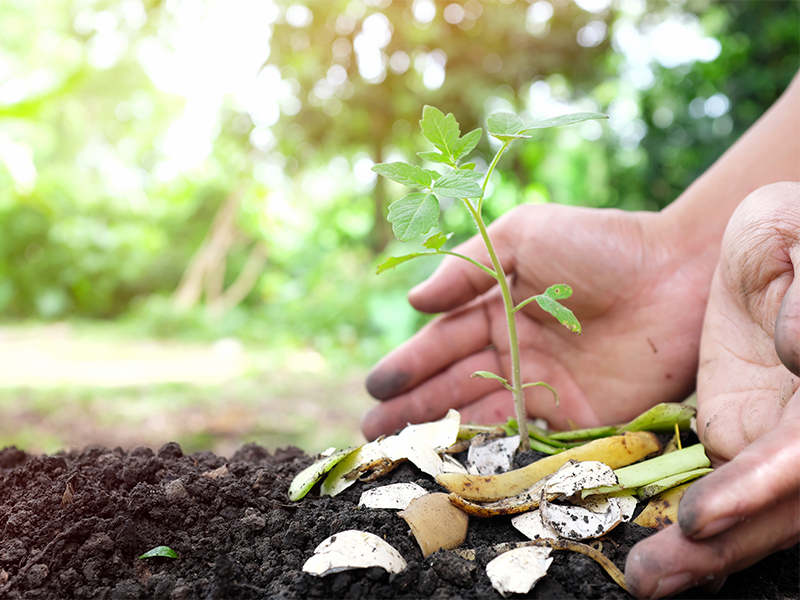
(439,434)
(574,477)
(580,522)
(353,549)
(436,523)
(518,570)
(530,524)
(393,496)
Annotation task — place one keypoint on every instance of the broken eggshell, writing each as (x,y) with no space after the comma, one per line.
(439,434)
(353,549)
(530,524)
(436,523)
(591,519)
(518,570)
(393,496)
(493,456)
(574,476)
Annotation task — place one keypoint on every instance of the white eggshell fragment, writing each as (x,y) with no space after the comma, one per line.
(627,504)
(439,434)
(492,457)
(451,465)
(394,496)
(530,524)
(415,449)
(353,549)
(589,520)
(574,477)
(518,570)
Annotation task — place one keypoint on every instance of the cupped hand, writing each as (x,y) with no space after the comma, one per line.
(749,409)
(640,297)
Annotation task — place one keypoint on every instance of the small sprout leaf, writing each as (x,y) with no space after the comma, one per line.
(160,552)
(558,291)
(518,570)
(467,143)
(437,240)
(504,125)
(490,375)
(440,130)
(459,184)
(661,418)
(406,174)
(435,157)
(353,549)
(561,120)
(305,479)
(413,215)
(436,523)
(560,312)
(394,496)
(393,261)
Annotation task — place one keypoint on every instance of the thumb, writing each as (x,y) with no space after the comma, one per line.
(787,329)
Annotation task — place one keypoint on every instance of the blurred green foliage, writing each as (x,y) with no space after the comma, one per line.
(110,181)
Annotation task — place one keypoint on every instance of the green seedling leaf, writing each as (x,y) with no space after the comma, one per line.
(459,184)
(561,120)
(488,375)
(413,215)
(655,469)
(591,433)
(505,126)
(160,552)
(467,144)
(406,174)
(393,261)
(435,157)
(440,130)
(560,312)
(308,477)
(662,485)
(436,241)
(558,291)
(661,418)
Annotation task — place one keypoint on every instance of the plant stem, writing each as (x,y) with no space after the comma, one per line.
(508,305)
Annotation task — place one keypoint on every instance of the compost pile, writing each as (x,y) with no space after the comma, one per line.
(75,524)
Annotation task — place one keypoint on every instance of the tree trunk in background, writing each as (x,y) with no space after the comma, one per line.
(206,271)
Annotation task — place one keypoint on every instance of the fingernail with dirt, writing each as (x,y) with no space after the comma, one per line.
(383,384)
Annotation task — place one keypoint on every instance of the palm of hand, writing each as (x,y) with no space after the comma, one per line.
(634,299)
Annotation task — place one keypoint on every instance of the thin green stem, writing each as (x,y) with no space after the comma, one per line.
(508,305)
(492,166)
(524,303)
(468,259)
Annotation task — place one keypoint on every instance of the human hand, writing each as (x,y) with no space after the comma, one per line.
(639,295)
(748,409)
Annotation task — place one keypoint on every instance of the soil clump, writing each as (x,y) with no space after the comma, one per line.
(74,524)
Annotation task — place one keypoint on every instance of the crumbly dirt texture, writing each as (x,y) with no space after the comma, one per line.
(74,524)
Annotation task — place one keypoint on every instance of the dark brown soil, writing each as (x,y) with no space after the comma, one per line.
(238,536)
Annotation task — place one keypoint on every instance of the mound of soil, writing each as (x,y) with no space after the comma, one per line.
(74,524)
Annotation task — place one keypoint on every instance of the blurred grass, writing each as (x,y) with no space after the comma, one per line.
(281,397)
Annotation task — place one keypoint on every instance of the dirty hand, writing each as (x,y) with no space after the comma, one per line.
(639,294)
(749,409)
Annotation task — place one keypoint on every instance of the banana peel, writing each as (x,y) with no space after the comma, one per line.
(615,451)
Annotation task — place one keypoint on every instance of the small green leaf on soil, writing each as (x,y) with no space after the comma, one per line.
(160,552)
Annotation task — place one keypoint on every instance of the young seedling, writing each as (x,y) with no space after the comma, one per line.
(418,212)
